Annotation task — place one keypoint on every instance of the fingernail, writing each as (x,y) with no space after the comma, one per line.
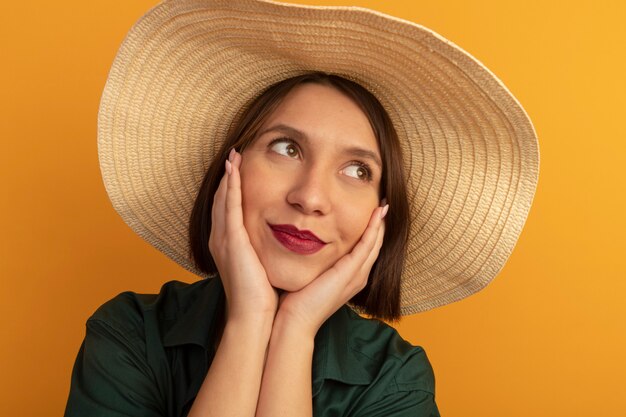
(229,168)
(383,201)
(231,154)
(384,212)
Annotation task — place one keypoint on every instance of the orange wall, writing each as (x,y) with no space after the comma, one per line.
(546,338)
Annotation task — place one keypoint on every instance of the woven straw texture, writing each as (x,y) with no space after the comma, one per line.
(187,67)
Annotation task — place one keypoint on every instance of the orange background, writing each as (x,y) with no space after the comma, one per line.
(546,338)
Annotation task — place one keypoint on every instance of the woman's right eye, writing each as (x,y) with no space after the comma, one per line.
(285,147)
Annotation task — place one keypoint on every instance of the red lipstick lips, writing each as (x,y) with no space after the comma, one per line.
(299,241)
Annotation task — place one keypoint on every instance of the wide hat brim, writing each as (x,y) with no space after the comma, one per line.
(187,67)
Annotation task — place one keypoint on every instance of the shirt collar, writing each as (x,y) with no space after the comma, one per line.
(192,311)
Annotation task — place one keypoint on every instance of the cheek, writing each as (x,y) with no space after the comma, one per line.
(249,197)
(353,223)
(260,196)
(252,189)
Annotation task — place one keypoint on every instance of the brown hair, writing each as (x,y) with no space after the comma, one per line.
(381,296)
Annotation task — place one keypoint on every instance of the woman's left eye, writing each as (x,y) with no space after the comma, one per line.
(285,147)
(359,171)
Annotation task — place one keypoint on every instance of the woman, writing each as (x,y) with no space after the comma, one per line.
(398,184)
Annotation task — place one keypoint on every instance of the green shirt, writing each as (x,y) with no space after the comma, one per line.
(146,355)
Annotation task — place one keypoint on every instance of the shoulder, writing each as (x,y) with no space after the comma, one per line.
(128,312)
(122,367)
(125,310)
(372,368)
(384,351)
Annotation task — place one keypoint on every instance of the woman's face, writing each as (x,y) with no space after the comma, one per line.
(310,181)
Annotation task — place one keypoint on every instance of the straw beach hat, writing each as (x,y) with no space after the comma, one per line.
(187,67)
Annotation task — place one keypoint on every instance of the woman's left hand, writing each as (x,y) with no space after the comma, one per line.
(311,306)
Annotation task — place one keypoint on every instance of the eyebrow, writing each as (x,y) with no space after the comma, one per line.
(366,154)
(354,151)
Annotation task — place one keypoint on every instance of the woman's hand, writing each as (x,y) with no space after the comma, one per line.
(248,291)
(251,308)
(311,306)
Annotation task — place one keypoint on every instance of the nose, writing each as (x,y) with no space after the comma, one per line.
(310,193)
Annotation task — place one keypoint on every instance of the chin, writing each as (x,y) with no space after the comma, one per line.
(290,281)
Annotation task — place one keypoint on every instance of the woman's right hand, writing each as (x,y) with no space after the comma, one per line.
(248,291)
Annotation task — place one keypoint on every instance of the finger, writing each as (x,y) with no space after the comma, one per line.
(237,159)
(369,237)
(234,214)
(366,264)
(373,255)
(219,207)
(360,254)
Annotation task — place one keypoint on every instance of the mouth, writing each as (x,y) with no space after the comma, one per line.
(302,242)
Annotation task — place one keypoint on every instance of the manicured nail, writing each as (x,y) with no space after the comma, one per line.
(231,154)
(383,201)
(384,212)
(229,167)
